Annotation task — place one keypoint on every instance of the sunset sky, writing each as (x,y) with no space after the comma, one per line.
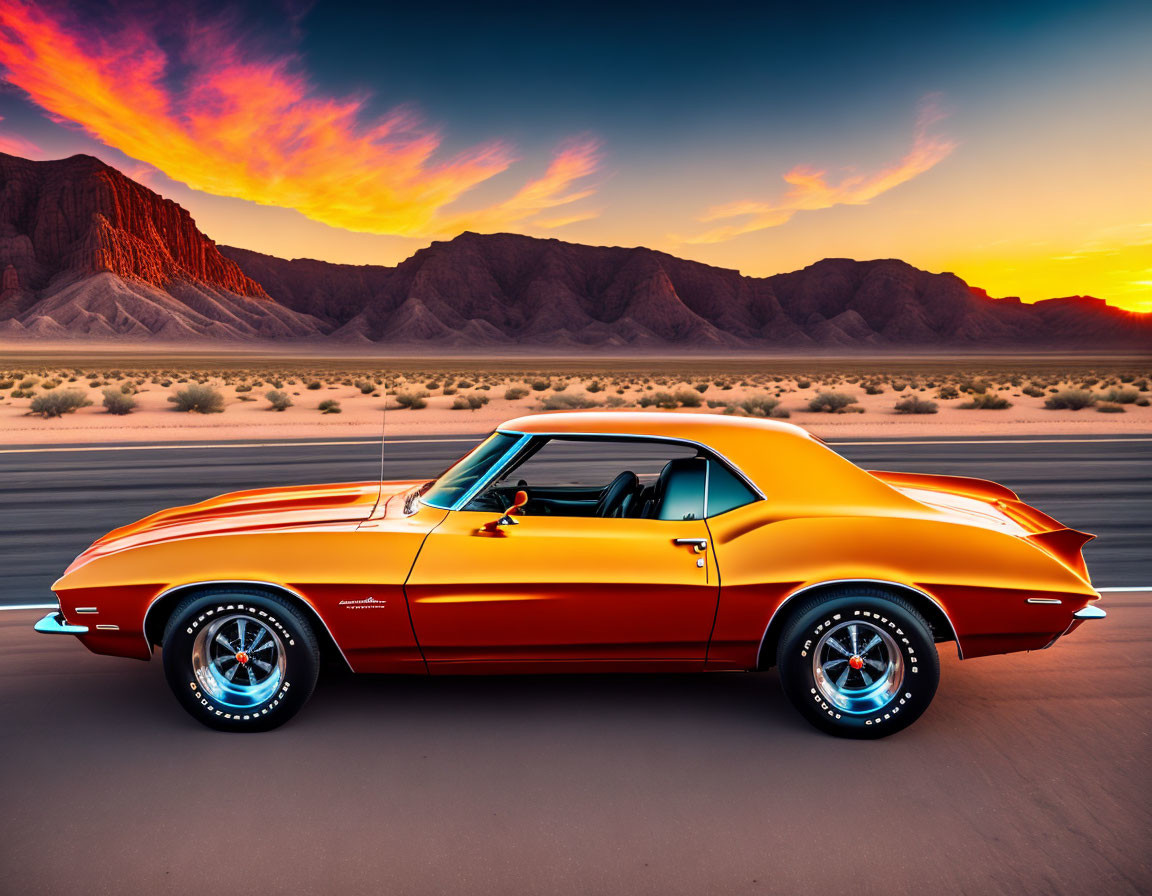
(1010,143)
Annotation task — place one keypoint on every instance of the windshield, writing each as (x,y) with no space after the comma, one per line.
(467,471)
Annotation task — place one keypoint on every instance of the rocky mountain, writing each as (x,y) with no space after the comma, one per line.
(86,252)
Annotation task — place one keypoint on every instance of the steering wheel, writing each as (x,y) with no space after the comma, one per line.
(612,499)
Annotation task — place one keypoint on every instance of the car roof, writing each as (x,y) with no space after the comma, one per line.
(695,427)
(782,459)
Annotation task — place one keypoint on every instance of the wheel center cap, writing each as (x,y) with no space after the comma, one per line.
(242,658)
(855,662)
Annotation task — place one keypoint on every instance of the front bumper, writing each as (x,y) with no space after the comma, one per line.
(55,624)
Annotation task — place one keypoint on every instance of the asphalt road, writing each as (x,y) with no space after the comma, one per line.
(1029,773)
(54,504)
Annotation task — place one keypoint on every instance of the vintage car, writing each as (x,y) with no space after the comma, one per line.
(589,542)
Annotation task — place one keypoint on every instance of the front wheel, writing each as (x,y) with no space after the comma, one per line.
(859,662)
(240,661)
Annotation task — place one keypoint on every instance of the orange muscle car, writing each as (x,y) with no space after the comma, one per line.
(589,541)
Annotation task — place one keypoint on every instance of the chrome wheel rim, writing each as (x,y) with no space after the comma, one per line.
(238,661)
(858,667)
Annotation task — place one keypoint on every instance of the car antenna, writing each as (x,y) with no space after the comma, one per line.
(383,440)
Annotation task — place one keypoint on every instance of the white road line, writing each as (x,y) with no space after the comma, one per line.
(370,441)
(1122,590)
(31,607)
(197,445)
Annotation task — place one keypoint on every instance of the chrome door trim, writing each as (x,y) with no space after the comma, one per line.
(494,471)
(272,585)
(900,585)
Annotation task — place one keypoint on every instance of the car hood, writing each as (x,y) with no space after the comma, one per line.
(294,507)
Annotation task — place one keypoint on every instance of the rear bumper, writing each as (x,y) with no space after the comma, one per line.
(55,624)
(1084,614)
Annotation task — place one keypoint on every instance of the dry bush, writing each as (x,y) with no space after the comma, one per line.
(469,402)
(688,398)
(564,401)
(1070,400)
(329,406)
(199,399)
(914,404)
(514,393)
(832,402)
(985,401)
(664,400)
(117,401)
(1110,408)
(278,400)
(57,404)
(413,401)
(1117,395)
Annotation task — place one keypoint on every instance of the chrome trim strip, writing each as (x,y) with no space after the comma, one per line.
(107,628)
(273,585)
(87,610)
(613,436)
(899,585)
(493,471)
(55,624)
(1089,612)
(1044,600)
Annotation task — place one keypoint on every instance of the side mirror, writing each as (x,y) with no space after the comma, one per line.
(518,501)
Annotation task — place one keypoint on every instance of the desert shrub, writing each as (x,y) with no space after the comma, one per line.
(986,401)
(831,402)
(873,388)
(56,404)
(803,384)
(7,384)
(688,398)
(560,386)
(243,387)
(329,406)
(366,387)
(1117,395)
(540,385)
(664,400)
(1033,391)
(701,387)
(449,390)
(594,387)
(279,400)
(198,398)
(469,402)
(897,387)
(564,401)
(914,404)
(432,385)
(1142,385)
(946,392)
(514,393)
(1110,408)
(314,385)
(1070,400)
(716,403)
(28,383)
(414,401)
(117,401)
(615,401)
(465,384)
(761,406)
(1143,402)
(975,387)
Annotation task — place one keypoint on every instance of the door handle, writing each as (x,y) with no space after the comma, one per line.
(699,545)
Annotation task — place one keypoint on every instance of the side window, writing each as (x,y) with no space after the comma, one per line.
(726,490)
(603,477)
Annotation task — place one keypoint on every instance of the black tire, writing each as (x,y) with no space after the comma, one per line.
(199,680)
(908,652)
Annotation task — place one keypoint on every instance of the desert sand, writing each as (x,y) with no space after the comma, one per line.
(506,388)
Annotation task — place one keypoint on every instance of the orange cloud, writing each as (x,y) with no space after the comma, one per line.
(811,189)
(254,128)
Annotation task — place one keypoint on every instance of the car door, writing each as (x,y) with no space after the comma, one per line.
(584,590)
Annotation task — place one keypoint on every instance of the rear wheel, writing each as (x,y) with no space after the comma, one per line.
(859,662)
(240,661)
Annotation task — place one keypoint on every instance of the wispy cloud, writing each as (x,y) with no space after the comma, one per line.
(226,120)
(811,189)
